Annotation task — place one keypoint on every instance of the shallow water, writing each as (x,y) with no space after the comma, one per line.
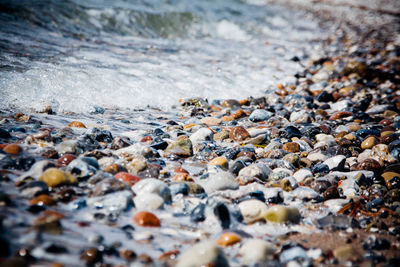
(76,55)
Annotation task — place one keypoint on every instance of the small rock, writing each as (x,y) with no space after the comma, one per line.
(146,219)
(218,181)
(346,253)
(291,147)
(281,214)
(252,210)
(260,115)
(228,239)
(239,133)
(53,177)
(222,162)
(127,177)
(12,149)
(211,121)
(369,142)
(148,201)
(42,200)
(256,251)
(152,185)
(336,162)
(203,134)
(76,124)
(92,256)
(203,254)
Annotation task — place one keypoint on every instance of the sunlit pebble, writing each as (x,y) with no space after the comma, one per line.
(12,149)
(65,160)
(127,177)
(76,124)
(42,200)
(146,219)
(228,239)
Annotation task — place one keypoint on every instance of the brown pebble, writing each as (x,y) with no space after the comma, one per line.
(115,168)
(369,165)
(76,124)
(91,256)
(144,258)
(230,103)
(169,255)
(239,114)
(211,121)
(291,147)
(127,177)
(42,200)
(128,254)
(239,133)
(340,115)
(146,219)
(220,161)
(386,122)
(331,193)
(182,177)
(228,239)
(12,149)
(65,160)
(369,142)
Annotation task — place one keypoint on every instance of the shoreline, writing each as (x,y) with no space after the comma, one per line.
(320,157)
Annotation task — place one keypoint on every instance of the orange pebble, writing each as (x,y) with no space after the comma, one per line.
(127,177)
(76,124)
(228,239)
(42,200)
(12,149)
(146,219)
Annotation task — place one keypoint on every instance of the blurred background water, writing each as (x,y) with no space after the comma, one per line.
(77,54)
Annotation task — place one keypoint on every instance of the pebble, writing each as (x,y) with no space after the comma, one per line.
(146,219)
(252,210)
(228,239)
(148,201)
(256,251)
(260,115)
(345,253)
(76,124)
(369,142)
(54,177)
(12,149)
(127,177)
(221,162)
(336,162)
(203,134)
(83,167)
(291,147)
(218,181)
(239,133)
(154,186)
(43,200)
(282,214)
(203,254)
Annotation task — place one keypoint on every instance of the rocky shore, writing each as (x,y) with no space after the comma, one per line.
(307,175)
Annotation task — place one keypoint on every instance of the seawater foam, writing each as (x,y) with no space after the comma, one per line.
(222,56)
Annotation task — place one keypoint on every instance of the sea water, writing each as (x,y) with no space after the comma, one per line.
(77,55)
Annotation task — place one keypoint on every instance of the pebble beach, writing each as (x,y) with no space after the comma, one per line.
(304,172)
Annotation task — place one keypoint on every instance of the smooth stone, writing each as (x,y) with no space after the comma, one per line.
(228,239)
(36,170)
(369,142)
(184,144)
(345,253)
(301,174)
(42,200)
(341,105)
(305,193)
(291,147)
(34,188)
(107,184)
(293,159)
(76,124)
(239,133)
(179,188)
(114,202)
(221,135)
(293,253)
(239,114)
(279,173)
(256,251)
(203,134)
(127,177)
(146,219)
(12,149)
(203,254)
(252,210)
(66,159)
(152,185)
(148,201)
(281,214)
(83,167)
(336,162)
(222,162)
(218,181)
(211,121)
(68,146)
(258,170)
(137,164)
(54,177)
(260,115)
(289,184)
(317,156)
(300,117)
